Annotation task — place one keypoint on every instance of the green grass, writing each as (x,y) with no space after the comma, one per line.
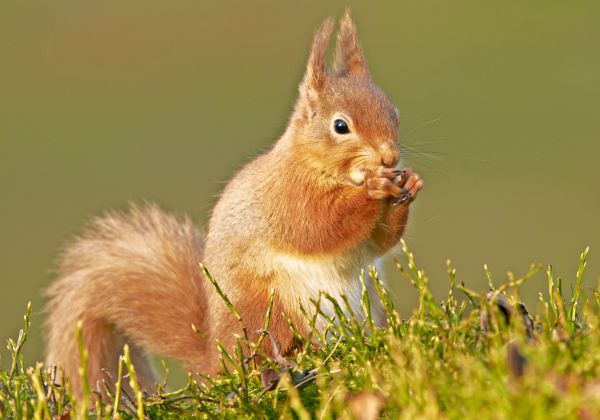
(474,354)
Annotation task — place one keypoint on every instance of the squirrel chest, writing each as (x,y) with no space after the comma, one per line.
(303,279)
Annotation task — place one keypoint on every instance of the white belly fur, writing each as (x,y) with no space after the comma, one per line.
(307,276)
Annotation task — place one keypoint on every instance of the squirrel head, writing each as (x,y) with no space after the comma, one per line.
(343,123)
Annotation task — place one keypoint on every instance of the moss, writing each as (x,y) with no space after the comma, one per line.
(474,354)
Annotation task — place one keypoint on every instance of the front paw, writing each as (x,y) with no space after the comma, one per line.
(410,184)
(380,186)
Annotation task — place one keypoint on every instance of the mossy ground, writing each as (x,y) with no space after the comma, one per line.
(471,355)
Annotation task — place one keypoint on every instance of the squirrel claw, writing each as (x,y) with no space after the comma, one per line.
(410,184)
(405,195)
(389,173)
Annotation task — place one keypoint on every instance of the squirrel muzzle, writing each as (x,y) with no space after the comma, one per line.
(390,155)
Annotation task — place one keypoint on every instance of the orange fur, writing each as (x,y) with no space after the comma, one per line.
(307,215)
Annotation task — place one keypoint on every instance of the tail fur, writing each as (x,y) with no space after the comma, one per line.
(130,278)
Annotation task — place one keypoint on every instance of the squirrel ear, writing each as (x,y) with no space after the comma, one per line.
(349,58)
(315,69)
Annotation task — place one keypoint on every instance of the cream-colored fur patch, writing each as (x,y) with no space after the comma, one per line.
(307,276)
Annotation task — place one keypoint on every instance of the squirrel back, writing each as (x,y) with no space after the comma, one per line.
(323,203)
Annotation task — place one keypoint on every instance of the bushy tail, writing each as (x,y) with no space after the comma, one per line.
(131,277)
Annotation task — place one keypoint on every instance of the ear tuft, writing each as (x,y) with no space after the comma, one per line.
(349,58)
(315,69)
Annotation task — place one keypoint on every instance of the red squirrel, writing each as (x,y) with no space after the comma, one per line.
(325,201)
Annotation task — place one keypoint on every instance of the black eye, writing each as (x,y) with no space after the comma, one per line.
(341,126)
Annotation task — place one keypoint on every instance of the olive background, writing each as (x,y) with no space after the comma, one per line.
(103,103)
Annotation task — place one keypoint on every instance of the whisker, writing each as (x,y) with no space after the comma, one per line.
(424,124)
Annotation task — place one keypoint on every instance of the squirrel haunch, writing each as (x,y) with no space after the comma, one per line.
(322,203)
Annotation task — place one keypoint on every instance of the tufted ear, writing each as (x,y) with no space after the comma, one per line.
(315,69)
(349,58)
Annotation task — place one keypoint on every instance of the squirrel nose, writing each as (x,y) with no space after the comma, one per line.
(390,156)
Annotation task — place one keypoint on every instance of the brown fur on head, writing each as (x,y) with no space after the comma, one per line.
(346,93)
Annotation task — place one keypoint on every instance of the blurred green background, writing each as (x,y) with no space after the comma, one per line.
(102,103)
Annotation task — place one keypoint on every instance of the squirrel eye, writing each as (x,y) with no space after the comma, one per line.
(341,127)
